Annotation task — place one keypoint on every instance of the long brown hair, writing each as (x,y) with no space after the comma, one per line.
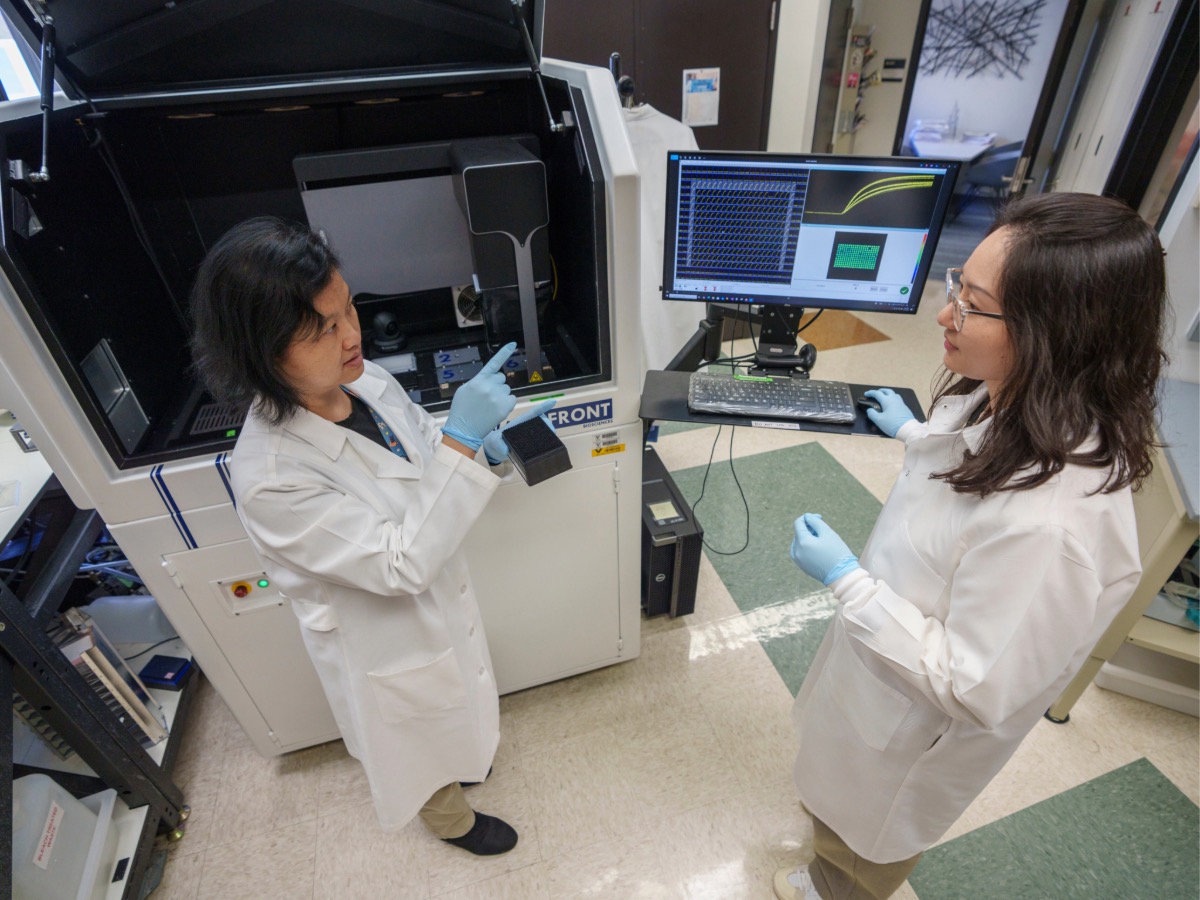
(1083,290)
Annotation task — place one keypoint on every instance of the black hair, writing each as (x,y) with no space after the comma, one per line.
(1083,290)
(253,296)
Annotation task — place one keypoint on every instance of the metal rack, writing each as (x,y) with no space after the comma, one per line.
(32,666)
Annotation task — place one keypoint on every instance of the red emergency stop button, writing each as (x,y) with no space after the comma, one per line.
(241,589)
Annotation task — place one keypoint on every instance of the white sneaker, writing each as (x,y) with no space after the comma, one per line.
(795,884)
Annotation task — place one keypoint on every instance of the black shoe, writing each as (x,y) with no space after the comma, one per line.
(473,783)
(489,836)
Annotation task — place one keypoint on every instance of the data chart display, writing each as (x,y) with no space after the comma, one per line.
(816,231)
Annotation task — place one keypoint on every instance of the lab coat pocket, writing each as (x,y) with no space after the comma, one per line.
(419,690)
(872,709)
(315,616)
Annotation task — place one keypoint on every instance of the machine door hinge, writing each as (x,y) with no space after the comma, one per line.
(617,478)
(620,645)
(173,573)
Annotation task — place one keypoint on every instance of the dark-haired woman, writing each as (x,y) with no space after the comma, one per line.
(1005,549)
(357,503)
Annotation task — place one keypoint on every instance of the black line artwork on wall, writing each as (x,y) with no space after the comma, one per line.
(965,38)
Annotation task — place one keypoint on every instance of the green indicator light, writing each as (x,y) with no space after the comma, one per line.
(232,432)
(262,582)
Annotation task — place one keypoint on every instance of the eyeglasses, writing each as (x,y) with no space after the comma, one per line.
(959,309)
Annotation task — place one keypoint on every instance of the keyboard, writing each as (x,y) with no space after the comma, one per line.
(779,398)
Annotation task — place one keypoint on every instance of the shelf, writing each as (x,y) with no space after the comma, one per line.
(29,750)
(1163,637)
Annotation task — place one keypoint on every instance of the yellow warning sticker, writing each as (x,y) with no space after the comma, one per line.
(604,451)
(535,377)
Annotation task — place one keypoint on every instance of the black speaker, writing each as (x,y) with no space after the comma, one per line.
(671,543)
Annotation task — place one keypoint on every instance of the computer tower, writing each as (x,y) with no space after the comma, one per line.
(671,543)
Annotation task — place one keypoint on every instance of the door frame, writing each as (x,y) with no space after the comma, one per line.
(914,69)
(1162,100)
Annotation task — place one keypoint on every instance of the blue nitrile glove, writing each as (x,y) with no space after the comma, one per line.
(494,445)
(482,403)
(819,551)
(895,411)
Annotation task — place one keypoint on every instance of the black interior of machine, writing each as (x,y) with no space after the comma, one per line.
(103,254)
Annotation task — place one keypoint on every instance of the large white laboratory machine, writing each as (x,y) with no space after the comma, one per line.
(473,199)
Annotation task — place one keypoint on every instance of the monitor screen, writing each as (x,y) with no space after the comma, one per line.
(829,232)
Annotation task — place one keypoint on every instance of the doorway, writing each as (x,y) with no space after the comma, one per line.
(658,41)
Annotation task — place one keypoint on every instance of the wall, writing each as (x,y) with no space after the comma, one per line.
(988,101)
(895,24)
(1181,236)
(799,48)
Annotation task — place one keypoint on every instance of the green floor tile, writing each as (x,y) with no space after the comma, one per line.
(1130,834)
(779,486)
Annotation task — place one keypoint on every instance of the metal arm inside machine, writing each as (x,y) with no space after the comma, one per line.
(534,67)
(17,168)
(47,98)
(523,256)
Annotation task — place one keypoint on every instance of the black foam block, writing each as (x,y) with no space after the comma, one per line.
(536,450)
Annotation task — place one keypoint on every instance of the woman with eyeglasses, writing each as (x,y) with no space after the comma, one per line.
(1007,545)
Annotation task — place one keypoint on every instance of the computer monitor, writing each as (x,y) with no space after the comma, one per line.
(803,230)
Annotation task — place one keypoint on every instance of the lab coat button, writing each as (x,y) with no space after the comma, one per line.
(481,671)
(463,589)
(471,633)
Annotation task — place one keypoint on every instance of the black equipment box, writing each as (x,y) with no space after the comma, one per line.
(671,543)
(536,451)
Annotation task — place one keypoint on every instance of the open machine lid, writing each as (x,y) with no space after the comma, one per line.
(181,47)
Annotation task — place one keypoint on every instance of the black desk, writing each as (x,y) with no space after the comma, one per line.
(664,396)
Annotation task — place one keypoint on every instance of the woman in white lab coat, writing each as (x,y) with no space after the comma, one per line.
(1005,549)
(358,503)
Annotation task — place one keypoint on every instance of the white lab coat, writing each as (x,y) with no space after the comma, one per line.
(365,544)
(965,621)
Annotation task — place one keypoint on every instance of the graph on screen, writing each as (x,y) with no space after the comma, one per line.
(821,231)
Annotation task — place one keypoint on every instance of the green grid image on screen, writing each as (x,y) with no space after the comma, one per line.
(856,256)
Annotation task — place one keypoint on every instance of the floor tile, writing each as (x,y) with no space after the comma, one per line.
(181,878)
(342,782)
(260,794)
(357,860)
(523,884)
(271,865)
(618,869)
(717,852)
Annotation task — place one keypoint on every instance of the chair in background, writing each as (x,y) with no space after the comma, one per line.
(987,175)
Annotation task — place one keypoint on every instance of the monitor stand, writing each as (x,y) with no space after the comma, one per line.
(777,346)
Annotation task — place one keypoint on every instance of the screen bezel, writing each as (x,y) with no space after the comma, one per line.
(676,157)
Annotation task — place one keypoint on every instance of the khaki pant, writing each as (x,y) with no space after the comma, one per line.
(838,873)
(447,814)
